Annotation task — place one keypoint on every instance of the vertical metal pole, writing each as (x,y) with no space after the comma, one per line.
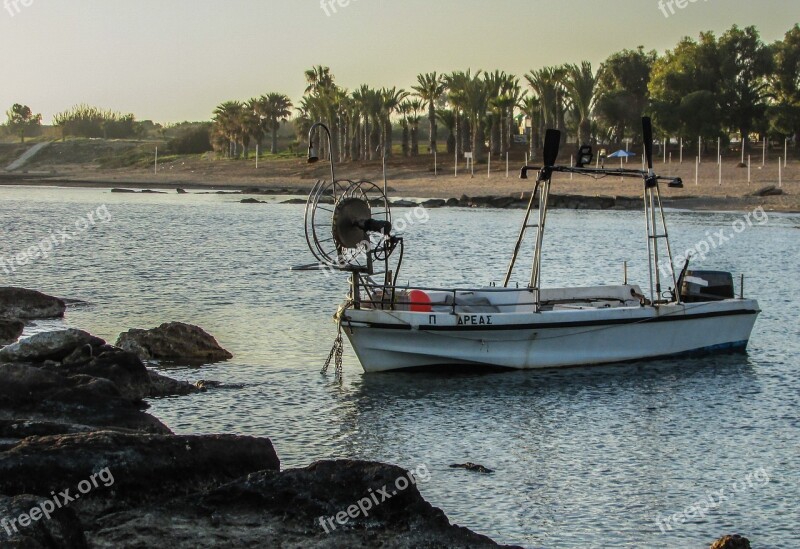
(681,161)
(780,174)
(649,242)
(456,160)
(764,153)
(720,170)
(700,148)
(719,151)
(506,164)
(155,166)
(749,167)
(435,168)
(257,155)
(655,245)
(696,171)
(489,167)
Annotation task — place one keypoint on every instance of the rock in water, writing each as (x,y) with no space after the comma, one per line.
(469,466)
(10,330)
(48,346)
(173,342)
(731,542)
(23,304)
(161,386)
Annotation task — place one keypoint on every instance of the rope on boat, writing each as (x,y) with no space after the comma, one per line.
(336,355)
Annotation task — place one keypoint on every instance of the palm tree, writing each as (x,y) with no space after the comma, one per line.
(476,105)
(273,109)
(531,106)
(227,123)
(580,85)
(448,120)
(415,108)
(456,83)
(391,99)
(429,89)
(404,109)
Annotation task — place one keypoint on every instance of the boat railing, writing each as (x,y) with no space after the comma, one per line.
(382,297)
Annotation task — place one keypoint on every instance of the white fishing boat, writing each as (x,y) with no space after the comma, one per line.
(349,229)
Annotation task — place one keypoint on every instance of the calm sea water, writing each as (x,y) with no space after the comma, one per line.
(582,458)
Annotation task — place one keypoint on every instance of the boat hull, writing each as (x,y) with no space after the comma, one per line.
(396,340)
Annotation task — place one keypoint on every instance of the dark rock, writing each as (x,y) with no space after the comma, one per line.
(731,542)
(288,509)
(295,201)
(122,191)
(452,202)
(30,394)
(180,191)
(174,342)
(434,203)
(23,304)
(769,190)
(48,346)
(141,468)
(53,527)
(469,466)
(205,384)
(10,330)
(163,386)
(151,191)
(123,368)
(251,201)
(501,201)
(404,204)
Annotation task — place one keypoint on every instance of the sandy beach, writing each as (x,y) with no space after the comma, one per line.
(415,178)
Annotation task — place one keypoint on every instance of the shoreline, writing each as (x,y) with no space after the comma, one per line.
(297,187)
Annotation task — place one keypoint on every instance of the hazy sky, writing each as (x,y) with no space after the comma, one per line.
(176,60)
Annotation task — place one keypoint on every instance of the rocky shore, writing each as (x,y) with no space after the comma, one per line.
(83,465)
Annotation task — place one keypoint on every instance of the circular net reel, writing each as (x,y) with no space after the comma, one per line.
(346,224)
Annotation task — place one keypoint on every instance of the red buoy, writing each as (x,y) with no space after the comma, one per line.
(420,301)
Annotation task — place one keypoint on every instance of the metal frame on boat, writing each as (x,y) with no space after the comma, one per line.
(349,229)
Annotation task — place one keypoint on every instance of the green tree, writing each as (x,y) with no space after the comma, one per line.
(744,64)
(784,114)
(22,121)
(622,92)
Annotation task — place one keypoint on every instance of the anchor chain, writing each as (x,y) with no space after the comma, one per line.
(336,355)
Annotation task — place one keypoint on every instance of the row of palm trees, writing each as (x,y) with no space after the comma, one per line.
(475,109)
(237,125)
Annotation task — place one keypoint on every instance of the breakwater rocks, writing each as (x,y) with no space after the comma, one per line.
(521,200)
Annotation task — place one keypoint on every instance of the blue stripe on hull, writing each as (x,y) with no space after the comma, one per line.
(733,347)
